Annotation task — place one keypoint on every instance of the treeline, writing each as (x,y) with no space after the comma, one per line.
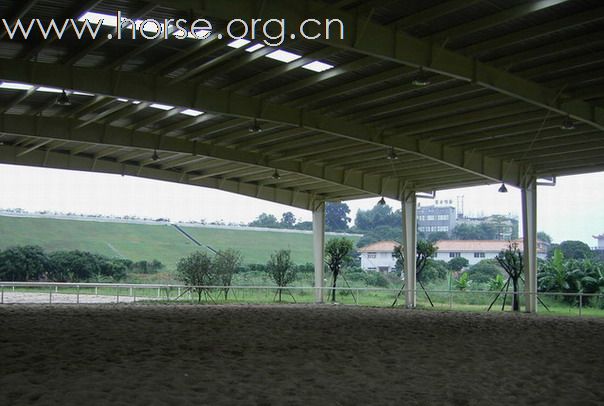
(336,219)
(32,263)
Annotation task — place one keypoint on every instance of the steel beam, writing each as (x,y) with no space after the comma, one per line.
(67,130)
(151,88)
(10,155)
(389,43)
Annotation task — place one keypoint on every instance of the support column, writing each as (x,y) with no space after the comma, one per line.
(529,232)
(409,208)
(318,230)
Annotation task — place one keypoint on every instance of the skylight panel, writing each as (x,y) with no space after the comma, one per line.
(15,86)
(192,113)
(254,48)
(49,89)
(98,18)
(119,99)
(238,43)
(82,94)
(283,56)
(318,66)
(164,107)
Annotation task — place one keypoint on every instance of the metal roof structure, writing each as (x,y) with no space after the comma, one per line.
(419,95)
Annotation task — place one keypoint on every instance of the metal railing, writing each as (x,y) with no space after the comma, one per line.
(77,293)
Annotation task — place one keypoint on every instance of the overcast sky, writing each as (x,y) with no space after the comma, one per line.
(573,209)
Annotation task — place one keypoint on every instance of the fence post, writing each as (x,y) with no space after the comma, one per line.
(133,294)
(78,295)
(2,294)
(580,303)
(117,295)
(50,295)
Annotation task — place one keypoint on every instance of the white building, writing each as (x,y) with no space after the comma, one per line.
(378,256)
(477,250)
(600,246)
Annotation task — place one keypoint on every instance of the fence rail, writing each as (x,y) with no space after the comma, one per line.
(54,292)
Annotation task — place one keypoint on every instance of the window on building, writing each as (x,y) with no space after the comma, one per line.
(454,254)
(479,255)
(371,255)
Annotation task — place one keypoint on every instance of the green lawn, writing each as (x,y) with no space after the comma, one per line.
(146,242)
(256,246)
(132,241)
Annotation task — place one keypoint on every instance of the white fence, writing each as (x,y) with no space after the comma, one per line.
(81,293)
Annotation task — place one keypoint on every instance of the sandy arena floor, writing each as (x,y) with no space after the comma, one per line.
(294,355)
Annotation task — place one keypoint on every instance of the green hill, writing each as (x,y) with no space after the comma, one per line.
(142,241)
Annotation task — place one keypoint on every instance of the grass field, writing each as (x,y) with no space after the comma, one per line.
(146,242)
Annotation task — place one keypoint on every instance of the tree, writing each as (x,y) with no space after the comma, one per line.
(265,220)
(195,271)
(545,237)
(288,220)
(23,263)
(482,231)
(379,215)
(336,216)
(425,250)
(337,252)
(457,264)
(575,250)
(281,269)
(303,225)
(75,266)
(224,265)
(484,271)
(511,261)
(437,236)
(379,233)
(553,276)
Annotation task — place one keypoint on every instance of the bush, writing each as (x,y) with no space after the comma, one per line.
(377,279)
(484,271)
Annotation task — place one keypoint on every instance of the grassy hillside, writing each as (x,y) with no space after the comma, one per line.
(140,241)
(133,241)
(256,246)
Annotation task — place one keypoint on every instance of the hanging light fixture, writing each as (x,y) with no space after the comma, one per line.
(255,128)
(567,124)
(382,202)
(421,79)
(392,155)
(276,175)
(155,156)
(503,189)
(63,99)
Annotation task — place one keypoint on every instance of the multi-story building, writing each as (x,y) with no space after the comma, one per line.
(442,217)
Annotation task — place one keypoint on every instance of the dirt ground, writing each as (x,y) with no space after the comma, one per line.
(132,354)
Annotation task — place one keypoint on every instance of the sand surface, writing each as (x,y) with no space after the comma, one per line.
(294,355)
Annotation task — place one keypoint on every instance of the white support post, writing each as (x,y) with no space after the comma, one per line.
(318,228)
(529,232)
(409,208)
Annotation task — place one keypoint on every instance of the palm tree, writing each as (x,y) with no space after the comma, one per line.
(554,276)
